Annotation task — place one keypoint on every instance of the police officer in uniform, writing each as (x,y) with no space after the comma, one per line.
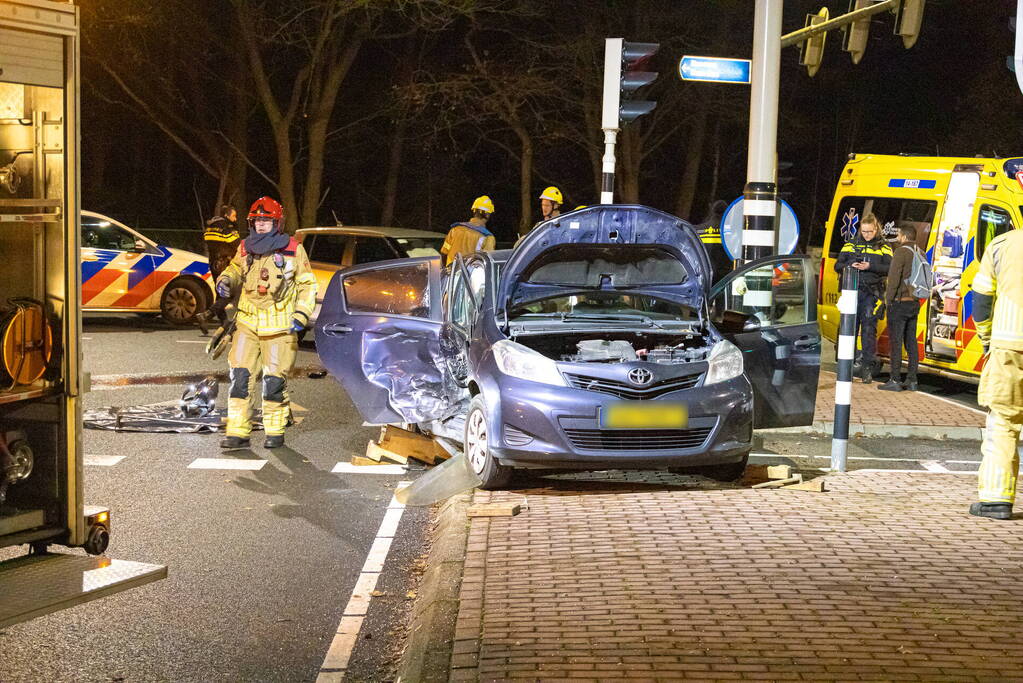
(471,236)
(868,253)
(998,314)
(710,234)
(276,298)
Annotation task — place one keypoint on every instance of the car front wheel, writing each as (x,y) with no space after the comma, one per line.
(477,448)
(182,300)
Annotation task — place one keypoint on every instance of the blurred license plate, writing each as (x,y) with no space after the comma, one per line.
(652,415)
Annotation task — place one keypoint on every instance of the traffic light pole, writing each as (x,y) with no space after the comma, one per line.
(760,200)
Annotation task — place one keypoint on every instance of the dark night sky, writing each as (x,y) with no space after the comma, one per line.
(951,94)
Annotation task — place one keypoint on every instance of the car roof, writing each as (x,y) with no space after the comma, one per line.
(375,231)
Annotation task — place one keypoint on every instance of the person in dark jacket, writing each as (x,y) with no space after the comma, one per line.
(868,253)
(710,234)
(222,238)
(903,311)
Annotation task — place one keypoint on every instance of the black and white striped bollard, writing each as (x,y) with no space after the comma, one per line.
(846,352)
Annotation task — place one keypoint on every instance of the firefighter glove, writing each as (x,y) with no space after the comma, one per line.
(297,325)
(224,288)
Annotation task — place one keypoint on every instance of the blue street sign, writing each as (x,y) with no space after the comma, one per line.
(714,69)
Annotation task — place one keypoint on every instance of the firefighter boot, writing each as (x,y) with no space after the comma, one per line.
(992,510)
(274,441)
(233,443)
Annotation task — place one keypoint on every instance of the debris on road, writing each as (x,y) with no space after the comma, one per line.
(398,445)
(780,477)
(494,510)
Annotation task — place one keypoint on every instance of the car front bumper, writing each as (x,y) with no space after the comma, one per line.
(538,425)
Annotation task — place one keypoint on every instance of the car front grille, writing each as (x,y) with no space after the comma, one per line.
(637,439)
(630,391)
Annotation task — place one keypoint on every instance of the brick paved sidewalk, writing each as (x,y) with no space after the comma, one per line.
(911,408)
(883,577)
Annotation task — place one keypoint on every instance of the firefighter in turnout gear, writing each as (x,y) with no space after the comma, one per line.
(471,236)
(998,314)
(276,295)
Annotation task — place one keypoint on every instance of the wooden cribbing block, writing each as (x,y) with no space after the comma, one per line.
(375,451)
(768,471)
(359,460)
(411,445)
(494,509)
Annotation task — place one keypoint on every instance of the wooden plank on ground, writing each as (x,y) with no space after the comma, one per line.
(375,451)
(817,486)
(760,472)
(362,461)
(778,483)
(411,445)
(494,509)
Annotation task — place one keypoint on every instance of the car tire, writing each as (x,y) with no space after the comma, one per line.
(182,300)
(476,446)
(725,472)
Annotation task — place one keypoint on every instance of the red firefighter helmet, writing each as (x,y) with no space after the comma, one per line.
(267,207)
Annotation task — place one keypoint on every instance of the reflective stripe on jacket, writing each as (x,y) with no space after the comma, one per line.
(465,239)
(876,252)
(1001,276)
(289,288)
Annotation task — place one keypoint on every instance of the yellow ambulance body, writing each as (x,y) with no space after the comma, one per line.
(958,205)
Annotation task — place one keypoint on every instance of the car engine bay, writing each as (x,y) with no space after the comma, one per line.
(666,349)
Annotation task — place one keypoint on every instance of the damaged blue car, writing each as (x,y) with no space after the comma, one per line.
(599,342)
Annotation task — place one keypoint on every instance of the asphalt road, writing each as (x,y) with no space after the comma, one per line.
(261,563)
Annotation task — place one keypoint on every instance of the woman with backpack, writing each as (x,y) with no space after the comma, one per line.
(908,276)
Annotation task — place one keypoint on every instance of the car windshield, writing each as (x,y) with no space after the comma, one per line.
(415,247)
(600,308)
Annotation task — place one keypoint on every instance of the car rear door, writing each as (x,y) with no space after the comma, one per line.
(378,334)
(776,328)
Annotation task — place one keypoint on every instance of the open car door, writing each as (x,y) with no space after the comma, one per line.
(775,326)
(378,333)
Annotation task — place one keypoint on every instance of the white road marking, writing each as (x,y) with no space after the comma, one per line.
(86,338)
(349,468)
(103,460)
(828,457)
(347,635)
(226,464)
(933,466)
(192,341)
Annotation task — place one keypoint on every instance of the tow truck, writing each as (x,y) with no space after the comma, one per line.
(41,377)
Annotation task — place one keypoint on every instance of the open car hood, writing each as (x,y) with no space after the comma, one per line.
(626,230)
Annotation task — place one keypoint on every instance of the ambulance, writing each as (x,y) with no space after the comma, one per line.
(958,205)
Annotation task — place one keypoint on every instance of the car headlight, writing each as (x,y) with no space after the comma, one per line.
(725,362)
(525,363)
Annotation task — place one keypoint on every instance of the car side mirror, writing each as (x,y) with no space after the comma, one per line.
(734,322)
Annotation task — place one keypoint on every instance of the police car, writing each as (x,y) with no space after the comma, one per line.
(124,271)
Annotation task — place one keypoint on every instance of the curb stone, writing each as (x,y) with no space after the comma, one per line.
(884,431)
(427,654)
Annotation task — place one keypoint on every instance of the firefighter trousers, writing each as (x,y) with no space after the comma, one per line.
(1001,390)
(251,355)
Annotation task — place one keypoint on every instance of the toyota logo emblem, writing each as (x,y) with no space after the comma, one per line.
(640,376)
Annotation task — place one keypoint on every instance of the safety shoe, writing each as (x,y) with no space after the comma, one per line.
(274,441)
(890,385)
(909,385)
(230,443)
(867,374)
(992,510)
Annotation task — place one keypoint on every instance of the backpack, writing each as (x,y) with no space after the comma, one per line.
(921,277)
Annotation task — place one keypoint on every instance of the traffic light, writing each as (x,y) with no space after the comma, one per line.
(855,40)
(907,21)
(624,74)
(811,50)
